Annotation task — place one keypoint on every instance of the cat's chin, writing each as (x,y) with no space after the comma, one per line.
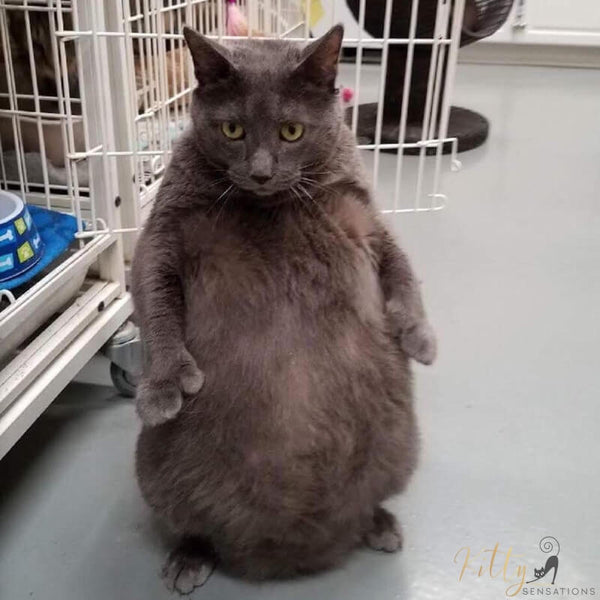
(264,193)
(266,198)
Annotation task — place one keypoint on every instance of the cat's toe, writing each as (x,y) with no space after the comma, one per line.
(157,403)
(191,378)
(187,568)
(385,535)
(419,343)
(192,577)
(387,541)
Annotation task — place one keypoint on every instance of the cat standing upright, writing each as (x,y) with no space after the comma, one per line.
(279,316)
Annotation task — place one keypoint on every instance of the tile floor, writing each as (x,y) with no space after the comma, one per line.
(510,413)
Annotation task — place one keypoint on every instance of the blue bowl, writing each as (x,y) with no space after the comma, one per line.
(21,246)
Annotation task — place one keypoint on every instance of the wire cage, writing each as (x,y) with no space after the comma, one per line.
(93,95)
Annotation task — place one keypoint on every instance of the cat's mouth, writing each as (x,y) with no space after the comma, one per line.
(264,193)
(264,190)
(266,198)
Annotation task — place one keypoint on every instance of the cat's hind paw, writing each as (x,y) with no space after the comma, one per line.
(188,567)
(157,402)
(385,534)
(419,343)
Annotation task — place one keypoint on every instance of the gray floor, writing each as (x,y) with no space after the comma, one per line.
(509,413)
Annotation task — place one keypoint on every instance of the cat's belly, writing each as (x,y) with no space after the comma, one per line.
(289,339)
(321,440)
(306,399)
(280,433)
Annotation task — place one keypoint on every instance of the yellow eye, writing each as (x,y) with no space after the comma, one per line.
(291,132)
(234,131)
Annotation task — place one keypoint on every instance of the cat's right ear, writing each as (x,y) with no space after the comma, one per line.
(211,60)
(319,60)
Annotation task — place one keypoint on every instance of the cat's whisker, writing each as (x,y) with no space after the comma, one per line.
(226,199)
(314,181)
(320,186)
(215,183)
(303,189)
(313,203)
(297,194)
(302,200)
(315,163)
(311,183)
(318,173)
(225,192)
(215,202)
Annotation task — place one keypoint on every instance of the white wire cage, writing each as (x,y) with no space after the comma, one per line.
(93,95)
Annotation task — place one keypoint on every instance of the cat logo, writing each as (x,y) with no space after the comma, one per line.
(549,545)
(500,564)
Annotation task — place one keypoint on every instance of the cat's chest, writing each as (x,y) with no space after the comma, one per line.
(261,264)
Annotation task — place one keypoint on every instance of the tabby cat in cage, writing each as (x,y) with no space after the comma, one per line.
(43,53)
(280,318)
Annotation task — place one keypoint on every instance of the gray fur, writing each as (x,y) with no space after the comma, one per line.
(301,312)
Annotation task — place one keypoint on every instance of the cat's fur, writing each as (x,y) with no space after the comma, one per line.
(301,313)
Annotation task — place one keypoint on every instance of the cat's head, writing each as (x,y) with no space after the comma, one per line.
(266,112)
(538,572)
(40,50)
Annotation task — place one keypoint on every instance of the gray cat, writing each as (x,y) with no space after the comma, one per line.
(264,264)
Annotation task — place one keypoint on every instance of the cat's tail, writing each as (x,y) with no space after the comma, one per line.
(550,544)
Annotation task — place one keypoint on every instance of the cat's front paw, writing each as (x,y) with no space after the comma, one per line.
(419,342)
(157,402)
(159,395)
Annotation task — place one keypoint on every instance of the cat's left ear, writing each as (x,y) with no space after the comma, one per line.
(319,59)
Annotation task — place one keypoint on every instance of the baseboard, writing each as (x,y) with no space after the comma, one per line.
(531,54)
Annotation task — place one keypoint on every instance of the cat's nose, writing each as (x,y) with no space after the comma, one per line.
(261,166)
(261,178)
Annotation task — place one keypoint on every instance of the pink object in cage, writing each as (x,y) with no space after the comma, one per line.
(347,95)
(236,21)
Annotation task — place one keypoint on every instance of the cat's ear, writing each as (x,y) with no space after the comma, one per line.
(319,59)
(211,60)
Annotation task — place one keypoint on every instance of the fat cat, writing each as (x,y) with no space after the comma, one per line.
(279,317)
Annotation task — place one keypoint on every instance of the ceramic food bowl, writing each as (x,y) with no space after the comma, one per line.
(21,246)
